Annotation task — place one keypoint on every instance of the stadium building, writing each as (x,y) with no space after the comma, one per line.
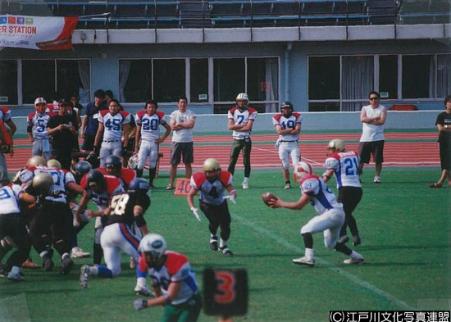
(322,55)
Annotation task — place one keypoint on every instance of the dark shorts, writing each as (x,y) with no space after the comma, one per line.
(445,155)
(375,148)
(182,151)
(350,198)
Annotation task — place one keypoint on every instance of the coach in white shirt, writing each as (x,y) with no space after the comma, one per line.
(373,118)
(182,122)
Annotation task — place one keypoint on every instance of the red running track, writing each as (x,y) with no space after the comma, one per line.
(399,153)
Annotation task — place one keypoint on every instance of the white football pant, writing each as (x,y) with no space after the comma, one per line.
(42,148)
(287,150)
(109,148)
(148,149)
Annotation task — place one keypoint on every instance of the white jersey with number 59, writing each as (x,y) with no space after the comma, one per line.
(9,196)
(323,199)
(345,166)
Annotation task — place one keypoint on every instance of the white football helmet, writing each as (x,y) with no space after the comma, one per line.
(242,97)
(133,162)
(39,100)
(153,244)
(53,163)
(336,144)
(36,161)
(302,169)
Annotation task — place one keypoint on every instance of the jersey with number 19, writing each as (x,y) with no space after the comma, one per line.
(345,166)
(150,125)
(287,123)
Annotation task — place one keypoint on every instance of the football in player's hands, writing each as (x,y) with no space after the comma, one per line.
(267,197)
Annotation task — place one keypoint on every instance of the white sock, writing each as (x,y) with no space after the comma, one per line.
(213,236)
(309,253)
(222,243)
(93,270)
(64,256)
(15,270)
(141,282)
(354,254)
(246,180)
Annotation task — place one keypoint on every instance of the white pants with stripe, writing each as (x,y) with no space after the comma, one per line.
(287,150)
(115,239)
(329,223)
(148,149)
(42,148)
(109,148)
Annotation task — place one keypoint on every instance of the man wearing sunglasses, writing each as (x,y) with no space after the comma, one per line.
(373,117)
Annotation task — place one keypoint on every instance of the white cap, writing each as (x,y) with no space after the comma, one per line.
(39,100)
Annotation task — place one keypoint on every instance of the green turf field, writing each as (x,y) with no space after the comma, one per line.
(406,242)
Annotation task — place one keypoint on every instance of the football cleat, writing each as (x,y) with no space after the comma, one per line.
(287,186)
(84,276)
(214,243)
(377,179)
(245,185)
(15,275)
(142,291)
(77,252)
(225,251)
(354,260)
(29,264)
(66,264)
(47,264)
(304,261)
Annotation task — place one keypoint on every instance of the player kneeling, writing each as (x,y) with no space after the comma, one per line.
(125,209)
(212,183)
(329,220)
(173,281)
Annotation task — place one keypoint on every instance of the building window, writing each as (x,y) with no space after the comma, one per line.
(388,76)
(38,79)
(73,78)
(357,80)
(199,80)
(417,76)
(169,79)
(443,75)
(229,78)
(262,82)
(135,80)
(324,83)
(8,82)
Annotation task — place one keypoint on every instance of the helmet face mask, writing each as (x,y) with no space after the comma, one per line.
(286,109)
(82,167)
(113,165)
(96,181)
(211,168)
(242,99)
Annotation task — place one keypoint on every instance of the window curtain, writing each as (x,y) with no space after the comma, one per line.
(271,80)
(357,80)
(443,75)
(432,77)
(124,71)
(83,73)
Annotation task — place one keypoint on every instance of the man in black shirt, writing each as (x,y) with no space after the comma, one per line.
(443,124)
(62,127)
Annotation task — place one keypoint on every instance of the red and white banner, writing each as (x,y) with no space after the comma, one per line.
(44,33)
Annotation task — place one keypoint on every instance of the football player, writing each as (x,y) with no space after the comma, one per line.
(52,223)
(12,226)
(37,129)
(113,167)
(345,165)
(148,137)
(212,184)
(241,118)
(173,281)
(124,209)
(288,125)
(100,190)
(329,220)
(112,124)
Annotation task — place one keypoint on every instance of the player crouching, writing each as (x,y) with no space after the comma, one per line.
(173,281)
(212,183)
(329,220)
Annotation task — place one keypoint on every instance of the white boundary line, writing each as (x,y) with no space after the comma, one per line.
(276,152)
(356,280)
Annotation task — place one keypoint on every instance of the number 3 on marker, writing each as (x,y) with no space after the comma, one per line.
(225,288)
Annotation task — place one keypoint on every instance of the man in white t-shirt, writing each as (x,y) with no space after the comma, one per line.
(182,122)
(373,118)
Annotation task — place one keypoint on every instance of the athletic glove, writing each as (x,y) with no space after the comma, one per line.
(195,212)
(139,304)
(232,196)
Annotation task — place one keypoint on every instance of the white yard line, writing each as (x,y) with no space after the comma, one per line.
(351,277)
